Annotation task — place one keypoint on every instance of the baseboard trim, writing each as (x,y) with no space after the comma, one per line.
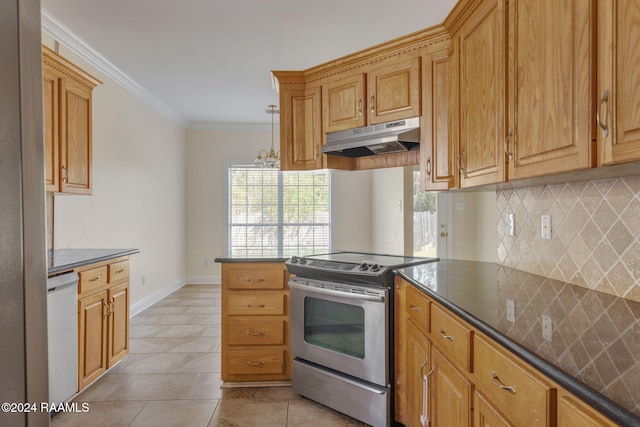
(146,302)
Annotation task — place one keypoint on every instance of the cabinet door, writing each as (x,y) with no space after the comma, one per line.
(75,137)
(93,312)
(418,351)
(550,87)
(393,92)
(618,81)
(302,129)
(481,117)
(485,415)
(451,394)
(50,88)
(118,300)
(343,103)
(437,153)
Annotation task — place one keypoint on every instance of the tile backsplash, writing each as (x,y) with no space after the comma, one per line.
(595,240)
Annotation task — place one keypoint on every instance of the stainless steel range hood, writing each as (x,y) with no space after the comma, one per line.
(391,137)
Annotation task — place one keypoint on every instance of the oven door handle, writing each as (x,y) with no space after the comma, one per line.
(331,292)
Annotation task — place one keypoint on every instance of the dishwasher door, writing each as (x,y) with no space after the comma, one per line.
(62,326)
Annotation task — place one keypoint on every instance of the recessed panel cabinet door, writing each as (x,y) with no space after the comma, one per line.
(75,147)
(302,140)
(343,103)
(618,109)
(550,87)
(393,92)
(480,44)
(92,344)
(118,300)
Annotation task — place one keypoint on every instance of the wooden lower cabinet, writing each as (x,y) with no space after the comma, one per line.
(418,350)
(255,322)
(436,388)
(450,394)
(103,319)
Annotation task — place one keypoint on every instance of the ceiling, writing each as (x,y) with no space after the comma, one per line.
(209,61)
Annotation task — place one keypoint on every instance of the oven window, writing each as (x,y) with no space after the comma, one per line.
(334,326)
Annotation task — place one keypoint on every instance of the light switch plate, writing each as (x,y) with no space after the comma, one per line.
(546,226)
(511,310)
(511,224)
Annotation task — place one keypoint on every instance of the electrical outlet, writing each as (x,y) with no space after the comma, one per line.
(546,226)
(511,310)
(144,280)
(546,328)
(461,206)
(511,224)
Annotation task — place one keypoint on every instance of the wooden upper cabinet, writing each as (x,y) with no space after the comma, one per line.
(301,131)
(343,103)
(550,87)
(479,118)
(387,93)
(393,92)
(437,150)
(67,114)
(618,91)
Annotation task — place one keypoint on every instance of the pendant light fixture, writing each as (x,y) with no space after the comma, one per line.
(271,158)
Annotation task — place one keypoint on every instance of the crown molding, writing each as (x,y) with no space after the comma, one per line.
(56,29)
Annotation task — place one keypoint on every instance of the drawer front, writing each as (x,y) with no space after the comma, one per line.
(452,337)
(92,279)
(418,308)
(255,332)
(253,276)
(252,305)
(508,385)
(254,362)
(118,271)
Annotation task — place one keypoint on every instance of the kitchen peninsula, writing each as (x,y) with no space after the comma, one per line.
(578,347)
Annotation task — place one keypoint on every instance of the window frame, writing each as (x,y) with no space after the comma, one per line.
(228,164)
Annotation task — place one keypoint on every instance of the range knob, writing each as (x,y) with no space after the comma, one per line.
(363,266)
(295,260)
(302,260)
(375,267)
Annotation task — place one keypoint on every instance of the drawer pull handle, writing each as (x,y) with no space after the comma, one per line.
(414,308)
(255,334)
(94,279)
(252,363)
(120,271)
(256,306)
(445,336)
(254,279)
(496,380)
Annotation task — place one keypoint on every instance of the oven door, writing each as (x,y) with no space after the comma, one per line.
(342,327)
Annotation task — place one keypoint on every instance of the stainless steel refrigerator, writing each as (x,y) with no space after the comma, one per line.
(23,314)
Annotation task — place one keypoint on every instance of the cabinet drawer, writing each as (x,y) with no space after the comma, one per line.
(418,308)
(255,304)
(118,271)
(452,337)
(253,276)
(255,332)
(252,362)
(92,279)
(508,385)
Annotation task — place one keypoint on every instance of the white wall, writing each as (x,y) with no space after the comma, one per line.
(138,188)
(352,213)
(388,211)
(473,232)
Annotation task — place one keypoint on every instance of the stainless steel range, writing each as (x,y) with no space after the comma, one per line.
(341,323)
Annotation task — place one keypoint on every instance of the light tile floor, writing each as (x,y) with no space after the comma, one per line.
(171,377)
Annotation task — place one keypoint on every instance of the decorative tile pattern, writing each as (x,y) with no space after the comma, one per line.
(595,233)
(595,336)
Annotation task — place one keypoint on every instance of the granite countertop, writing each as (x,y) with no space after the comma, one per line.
(62,260)
(250,258)
(595,347)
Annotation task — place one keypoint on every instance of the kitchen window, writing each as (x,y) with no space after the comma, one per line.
(277,214)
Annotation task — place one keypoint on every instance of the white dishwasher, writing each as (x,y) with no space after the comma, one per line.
(62,328)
